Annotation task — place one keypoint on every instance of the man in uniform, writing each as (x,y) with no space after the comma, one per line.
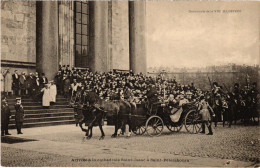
(236,97)
(253,104)
(19,115)
(217,106)
(5,117)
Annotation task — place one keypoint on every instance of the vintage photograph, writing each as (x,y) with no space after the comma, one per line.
(130,83)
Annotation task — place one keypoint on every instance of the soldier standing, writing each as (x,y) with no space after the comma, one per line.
(5,117)
(206,111)
(19,115)
(253,104)
(236,101)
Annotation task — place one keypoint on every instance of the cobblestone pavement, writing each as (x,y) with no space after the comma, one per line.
(236,144)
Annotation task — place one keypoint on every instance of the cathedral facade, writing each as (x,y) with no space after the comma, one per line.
(100,35)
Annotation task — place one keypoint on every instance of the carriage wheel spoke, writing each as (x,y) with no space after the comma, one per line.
(188,126)
(195,127)
(139,130)
(157,122)
(158,129)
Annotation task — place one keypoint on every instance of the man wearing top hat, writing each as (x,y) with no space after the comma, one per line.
(43,80)
(19,115)
(15,84)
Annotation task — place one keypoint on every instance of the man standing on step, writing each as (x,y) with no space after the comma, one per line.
(22,81)
(5,117)
(30,84)
(15,84)
(19,115)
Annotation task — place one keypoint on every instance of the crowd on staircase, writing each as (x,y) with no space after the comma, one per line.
(33,86)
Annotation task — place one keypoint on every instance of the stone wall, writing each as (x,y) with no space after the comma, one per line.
(119,35)
(18,31)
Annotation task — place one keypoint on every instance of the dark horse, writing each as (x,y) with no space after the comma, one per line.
(91,117)
(94,114)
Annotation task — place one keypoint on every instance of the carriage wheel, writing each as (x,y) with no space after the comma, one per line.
(192,122)
(154,126)
(174,128)
(140,130)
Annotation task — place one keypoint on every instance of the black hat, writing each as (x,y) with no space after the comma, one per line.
(202,97)
(215,83)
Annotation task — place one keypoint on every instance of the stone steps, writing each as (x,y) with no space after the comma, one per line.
(43,124)
(37,116)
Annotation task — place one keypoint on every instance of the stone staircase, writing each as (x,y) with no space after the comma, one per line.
(37,116)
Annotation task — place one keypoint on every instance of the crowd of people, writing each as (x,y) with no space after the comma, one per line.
(33,86)
(121,84)
(74,83)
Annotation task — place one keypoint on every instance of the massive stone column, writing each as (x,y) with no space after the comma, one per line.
(99,60)
(47,37)
(119,35)
(137,46)
(66,33)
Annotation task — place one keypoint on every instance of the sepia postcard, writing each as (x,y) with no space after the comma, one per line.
(130,83)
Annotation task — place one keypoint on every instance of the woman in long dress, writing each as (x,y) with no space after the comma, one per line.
(8,82)
(46,98)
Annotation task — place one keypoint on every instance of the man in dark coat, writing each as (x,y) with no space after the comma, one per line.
(22,81)
(43,80)
(58,81)
(5,117)
(30,83)
(19,115)
(15,85)
(37,87)
(66,87)
(152,97)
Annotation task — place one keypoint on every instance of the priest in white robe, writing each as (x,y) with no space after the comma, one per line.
(53,92)
(46,98)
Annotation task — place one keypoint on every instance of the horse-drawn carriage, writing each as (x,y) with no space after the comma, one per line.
(140,118)
(161,115)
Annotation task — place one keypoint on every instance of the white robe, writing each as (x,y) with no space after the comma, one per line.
(53,93)
(46,97)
